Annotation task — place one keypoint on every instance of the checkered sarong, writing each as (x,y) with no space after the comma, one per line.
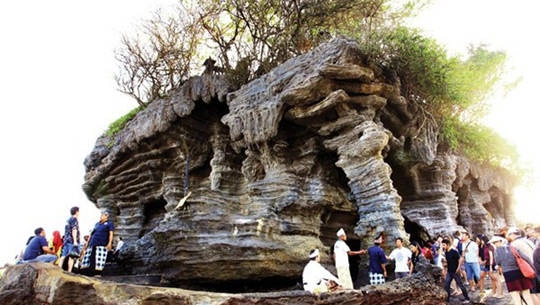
(376,278)
(101,257)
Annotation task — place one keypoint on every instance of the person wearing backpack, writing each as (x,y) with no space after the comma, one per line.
(517,239)
(517,285)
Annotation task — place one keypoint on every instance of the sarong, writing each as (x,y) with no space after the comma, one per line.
(101,257)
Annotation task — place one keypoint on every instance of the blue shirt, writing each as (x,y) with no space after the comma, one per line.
(72,223)
(35,247)
(376,258)
(100,235)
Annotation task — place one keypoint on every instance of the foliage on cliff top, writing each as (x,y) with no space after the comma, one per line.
(119,124)
(251,37)
(453,89)
(248,37)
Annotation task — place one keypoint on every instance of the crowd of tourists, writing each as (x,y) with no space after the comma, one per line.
(510,260)
(69,251)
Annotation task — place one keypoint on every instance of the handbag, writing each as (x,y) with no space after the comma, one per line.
(526,269)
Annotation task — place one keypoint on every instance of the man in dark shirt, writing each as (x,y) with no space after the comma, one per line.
(38,249)
(377,262)
(99,244)
(452,264)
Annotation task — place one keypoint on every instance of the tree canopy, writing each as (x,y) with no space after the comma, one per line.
(250,37)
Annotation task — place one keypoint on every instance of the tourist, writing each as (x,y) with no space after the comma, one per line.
(536,261)
(497,289)
(56,242)
(341,256)
(471,259)
(437,251)
(95,251)
(453,262)
(119,245)
(426,251)
(457,241)
(402,256)
(416,256)
(487,264)
(377,262)
(518,240)
(38,249)
(531,234)
(458,245)
(518,286)
(71,239)
(316,279)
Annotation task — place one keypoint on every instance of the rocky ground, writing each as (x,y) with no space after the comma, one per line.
(478,298)
(50,285)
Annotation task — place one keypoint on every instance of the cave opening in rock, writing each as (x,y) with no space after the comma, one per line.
(209,112)
(153,213)
(331,222)
(416,231)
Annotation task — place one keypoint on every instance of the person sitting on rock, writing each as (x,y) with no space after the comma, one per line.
(38,249)
(316,278)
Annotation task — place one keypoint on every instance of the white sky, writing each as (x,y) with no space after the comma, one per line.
(58,94)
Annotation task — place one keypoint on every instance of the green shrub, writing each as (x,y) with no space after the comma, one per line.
(119,124)
(479,143)
(452,89)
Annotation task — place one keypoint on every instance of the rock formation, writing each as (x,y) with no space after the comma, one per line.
(276,167)
(39,283)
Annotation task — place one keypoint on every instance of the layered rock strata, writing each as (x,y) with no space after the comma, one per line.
(39,284)
(276,167)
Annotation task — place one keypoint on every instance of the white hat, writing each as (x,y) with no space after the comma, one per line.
(514,230)
(495,239)
(340,232)
(314,253)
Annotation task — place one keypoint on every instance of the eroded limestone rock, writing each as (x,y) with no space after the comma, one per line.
(40,284)
(276,167)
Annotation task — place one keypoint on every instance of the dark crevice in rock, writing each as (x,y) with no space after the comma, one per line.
(415,231)
(152,214)
(332,221)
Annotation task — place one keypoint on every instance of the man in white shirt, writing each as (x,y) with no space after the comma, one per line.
(315,277)
(341,256)
(402,257)
(471,258)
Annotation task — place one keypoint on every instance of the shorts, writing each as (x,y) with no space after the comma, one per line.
(485,268)
(473,271)
(66,248)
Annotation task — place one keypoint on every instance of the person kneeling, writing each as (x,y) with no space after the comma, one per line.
(316,278)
